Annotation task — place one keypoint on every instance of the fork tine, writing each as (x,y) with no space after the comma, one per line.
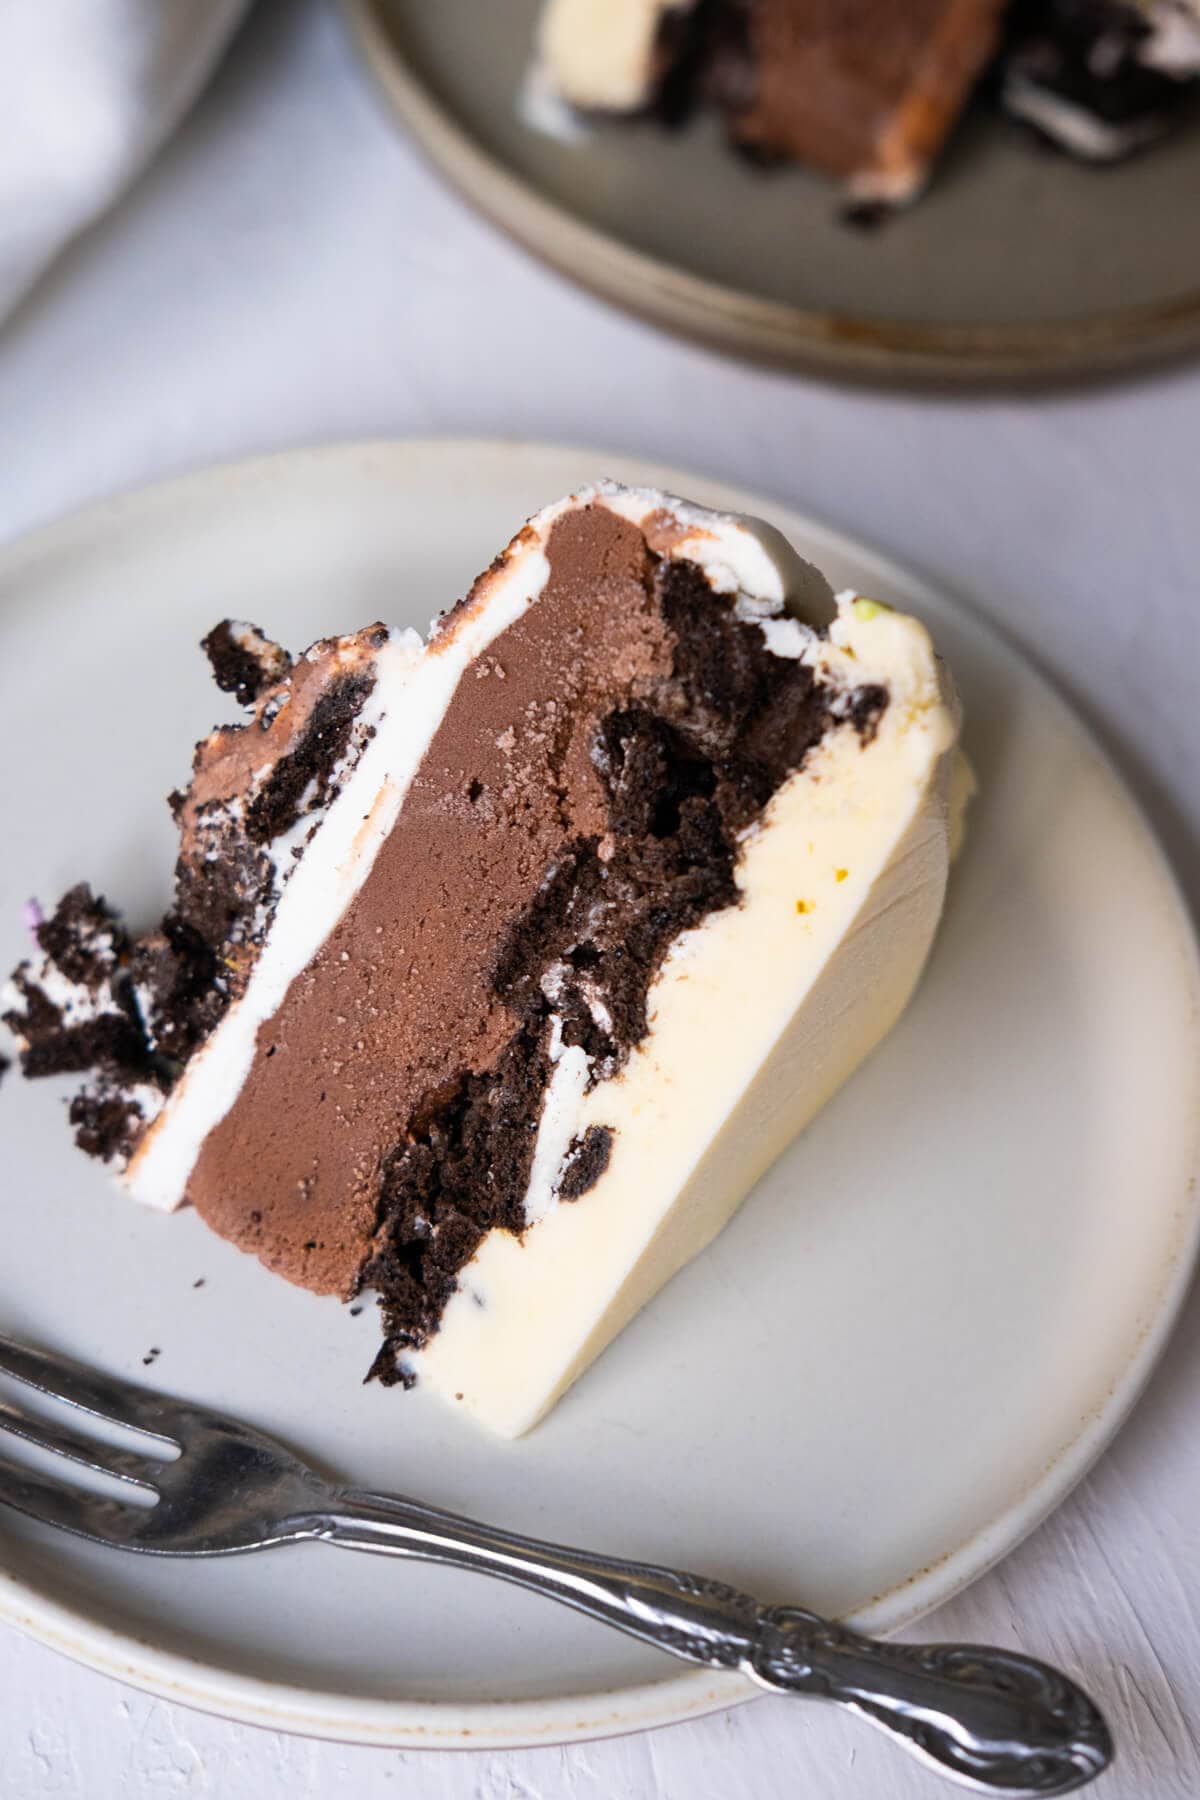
(106,1459)
(120,1402)
(86,1515)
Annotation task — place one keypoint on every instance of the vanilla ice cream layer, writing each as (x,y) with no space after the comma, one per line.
(602,55)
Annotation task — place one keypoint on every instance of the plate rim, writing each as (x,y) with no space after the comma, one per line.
(835,345)
(419,1724)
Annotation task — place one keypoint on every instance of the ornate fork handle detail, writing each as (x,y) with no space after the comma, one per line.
(994,1720)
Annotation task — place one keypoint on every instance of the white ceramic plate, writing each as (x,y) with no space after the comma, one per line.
(903,1352)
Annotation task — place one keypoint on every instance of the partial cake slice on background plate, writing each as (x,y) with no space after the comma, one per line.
(500,967)
(868,92)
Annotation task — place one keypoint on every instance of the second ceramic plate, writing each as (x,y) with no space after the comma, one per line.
(905,1349)
(1015,264)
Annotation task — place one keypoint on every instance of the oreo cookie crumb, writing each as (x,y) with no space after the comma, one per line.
(140,1007)
(685,768)
(867,706)
(305,774)
(585,1162)
(244,661)
(463,1172)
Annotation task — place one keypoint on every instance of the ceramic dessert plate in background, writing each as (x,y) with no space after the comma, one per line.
(907,1347)
(1017,264)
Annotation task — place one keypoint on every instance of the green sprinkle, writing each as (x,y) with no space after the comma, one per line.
(869,609)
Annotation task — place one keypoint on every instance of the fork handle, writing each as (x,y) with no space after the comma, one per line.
(994,1720)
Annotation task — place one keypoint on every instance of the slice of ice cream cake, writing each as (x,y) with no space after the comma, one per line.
(500,967)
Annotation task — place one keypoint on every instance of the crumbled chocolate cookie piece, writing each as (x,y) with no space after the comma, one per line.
(132,1011)
(585,1162)
(685,766)
(74,1011)
(180,987)
(300,782)
(84,938)
(244,661)
(464,1172)
(107,1122)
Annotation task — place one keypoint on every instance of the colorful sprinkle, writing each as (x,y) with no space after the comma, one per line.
(866,609)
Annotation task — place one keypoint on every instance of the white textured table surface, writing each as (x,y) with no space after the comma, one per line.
(290,272)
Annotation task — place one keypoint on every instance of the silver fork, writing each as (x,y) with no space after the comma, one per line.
(995,1721)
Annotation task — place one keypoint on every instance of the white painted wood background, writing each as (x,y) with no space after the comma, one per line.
(290,272)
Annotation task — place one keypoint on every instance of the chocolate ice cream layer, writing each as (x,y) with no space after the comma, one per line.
(863,88)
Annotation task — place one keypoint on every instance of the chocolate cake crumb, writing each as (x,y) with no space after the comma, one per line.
(199,1282)
(83,938)
(219,888)
(867,706)
(109,1041)
(301,781)
(5,1066)
(464,1172)
(151,1356)
(181,985)
(138,1009)
(386,1370)
(244,661)
(585,1162)
(678,56)
(107,1124)
(866,215)
(85,942)
(1089,59)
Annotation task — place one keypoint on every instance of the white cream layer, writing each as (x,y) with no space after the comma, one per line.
(842,884)
(599,55)
(414,685)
